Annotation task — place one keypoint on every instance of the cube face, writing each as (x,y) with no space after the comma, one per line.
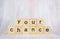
(18,29)
(25,30)
(39,30)
(33,21)
(32,30)
(47,30)
(25,21)
(11,30)
(19,21)
(40,21)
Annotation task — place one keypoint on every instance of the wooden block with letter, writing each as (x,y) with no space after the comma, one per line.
(18,29)
(11,30)
(26,30)
(39,30)
(25,21)
(40,21)
(33,21)
(47,29)
(32,29)
(19,21)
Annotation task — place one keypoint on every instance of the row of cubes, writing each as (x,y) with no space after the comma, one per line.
(29,30)
(29,21)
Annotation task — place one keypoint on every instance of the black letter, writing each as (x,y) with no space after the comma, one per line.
(33,29)
(18,21)
(11,29)
(25,22)
(47,29)
(33,22)
(18,30)
(25,29)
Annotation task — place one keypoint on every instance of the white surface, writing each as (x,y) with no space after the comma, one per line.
(48,36)
(49,10)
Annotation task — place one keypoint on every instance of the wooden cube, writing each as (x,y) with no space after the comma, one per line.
(33,21)
(40,21)
(39,30)
(11,30)
(32,30)
(18,29)
(26,30)
(47,29)
(19,21)
(25,21)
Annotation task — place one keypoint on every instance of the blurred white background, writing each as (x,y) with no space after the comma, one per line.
(49,10)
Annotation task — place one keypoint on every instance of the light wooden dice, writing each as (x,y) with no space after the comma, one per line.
(11,29)
(25,21)
(33,21)
(40,22)
(26,30)
(29,26)
(32,30)
(40,30)
(18,29)
(47,29)
(19,21)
